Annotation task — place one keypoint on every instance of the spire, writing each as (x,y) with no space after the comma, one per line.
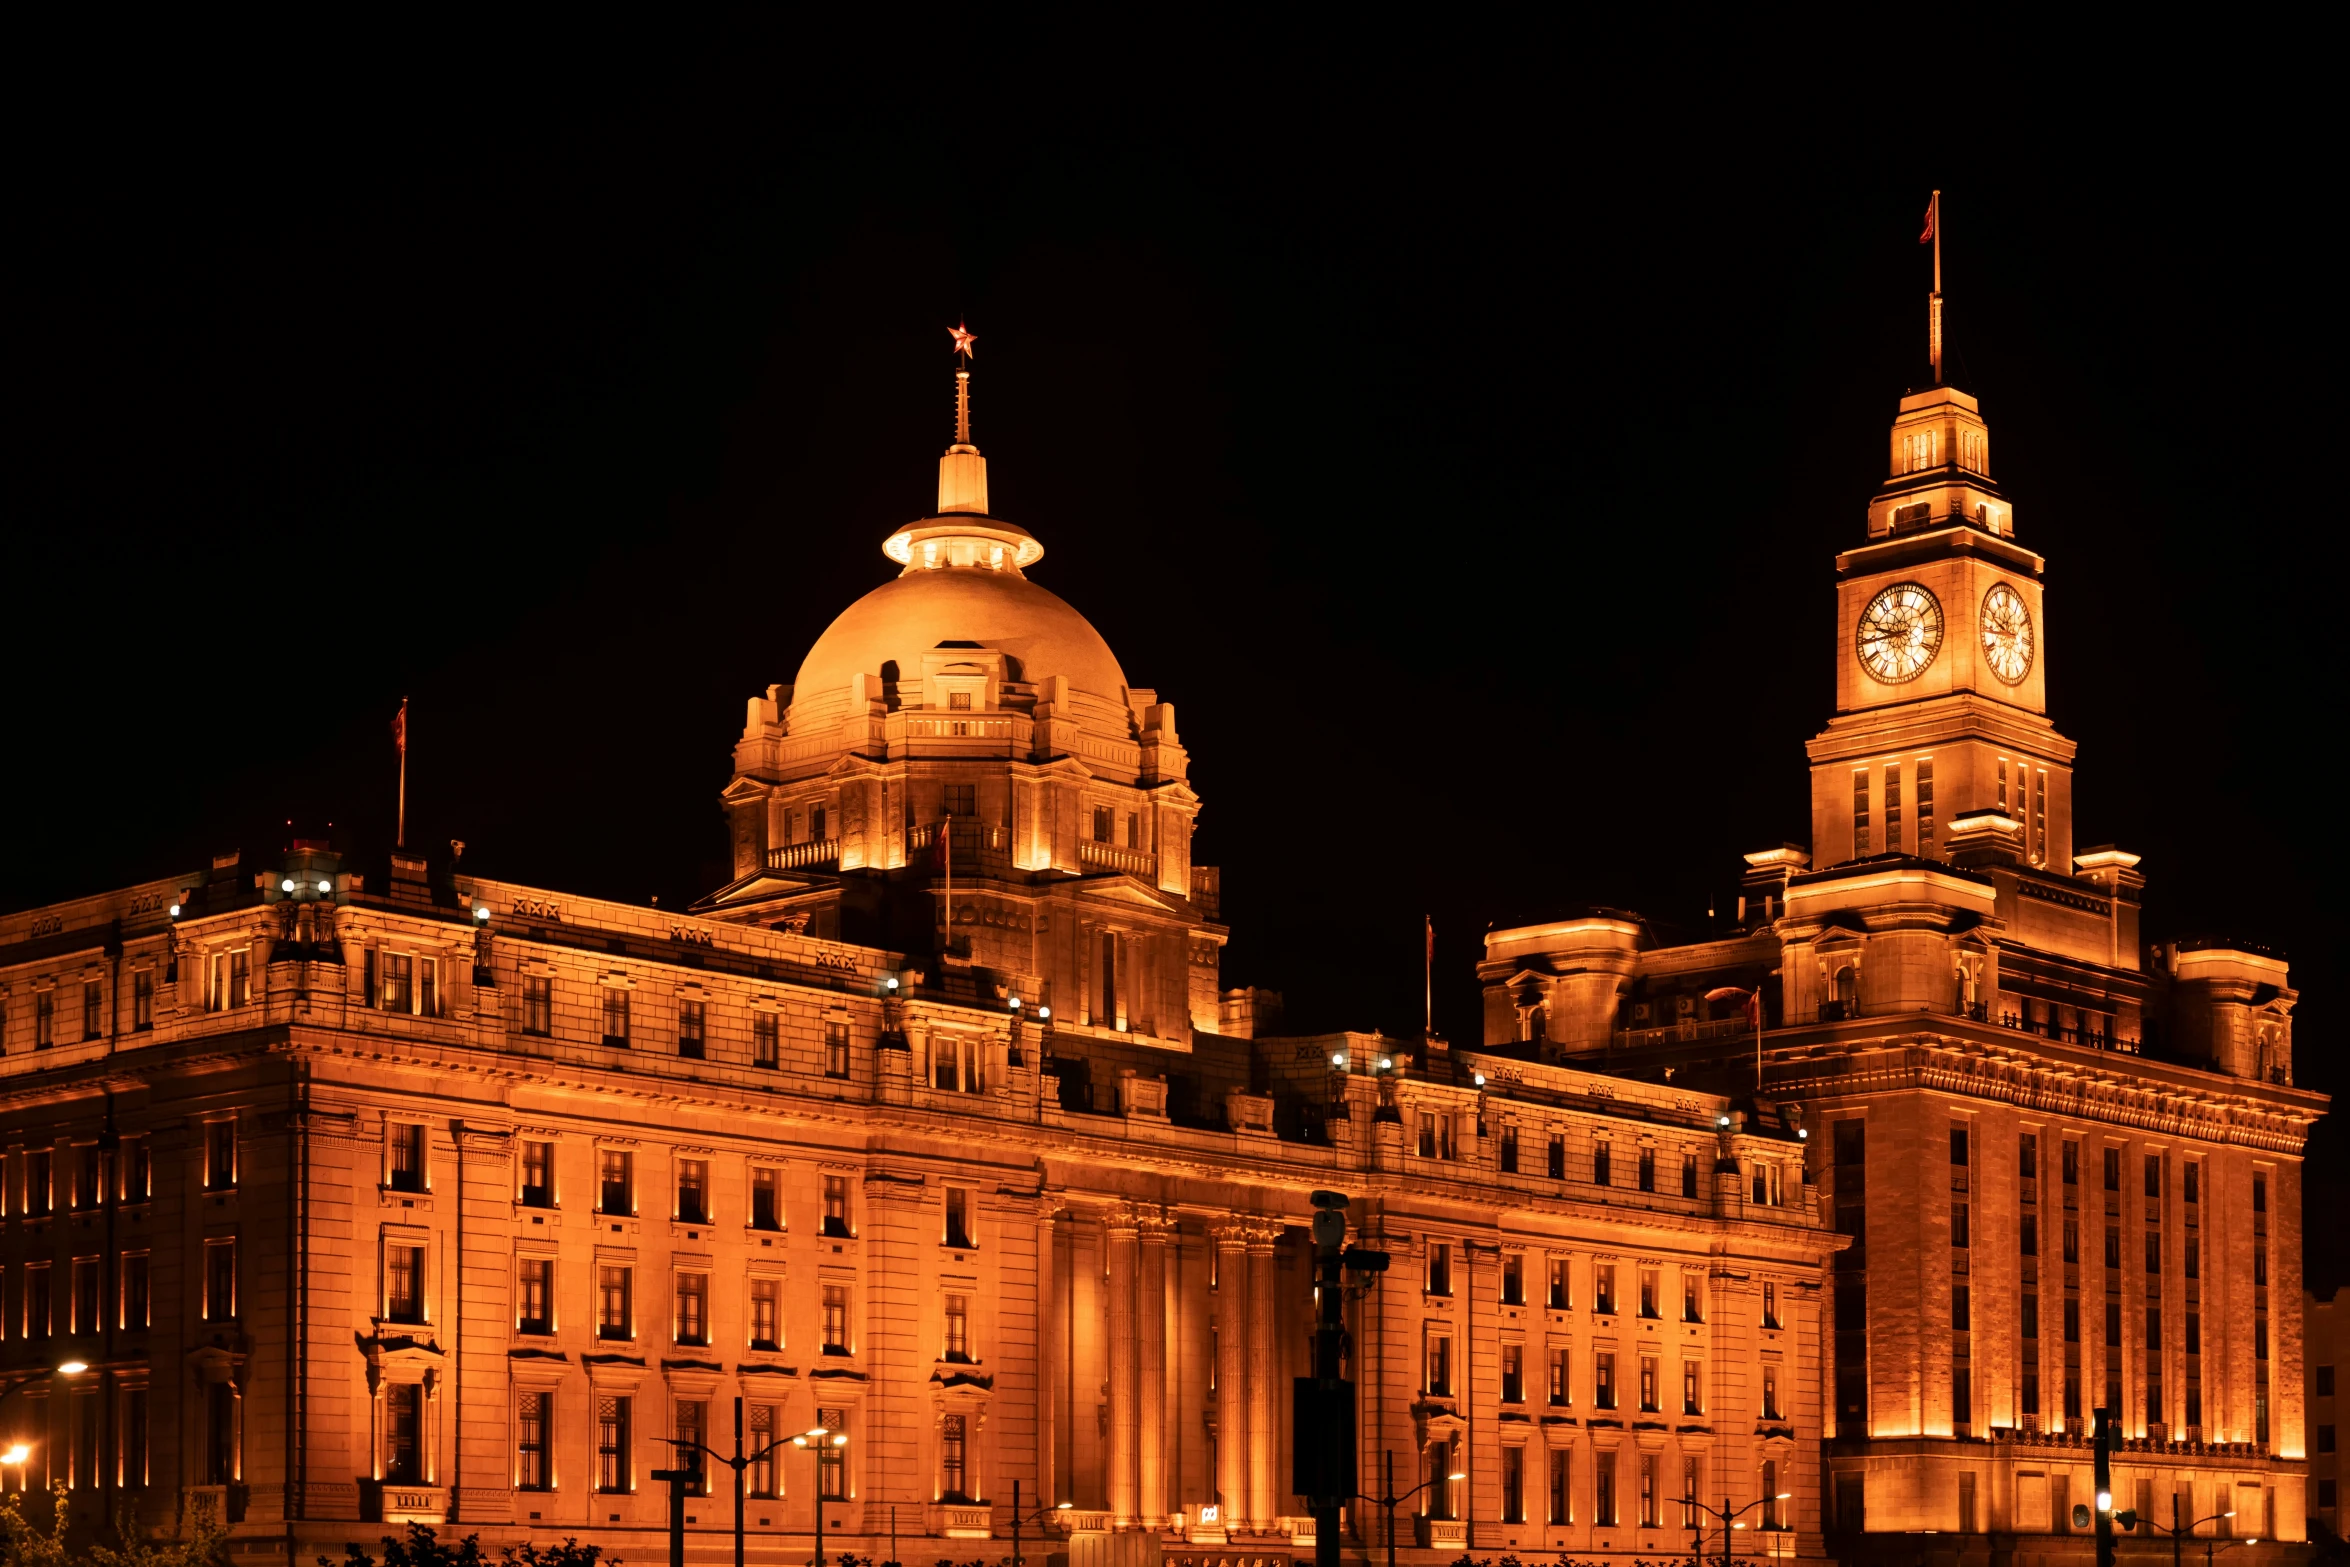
(1933,236)
(962,472)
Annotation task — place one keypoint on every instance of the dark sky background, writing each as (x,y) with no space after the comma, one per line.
(1462,447)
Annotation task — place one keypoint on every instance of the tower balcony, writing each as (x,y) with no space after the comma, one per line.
(1110,857)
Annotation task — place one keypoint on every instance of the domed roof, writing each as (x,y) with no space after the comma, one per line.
(903,619)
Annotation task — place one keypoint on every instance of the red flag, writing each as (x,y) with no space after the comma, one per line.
(1933,209)
(1430,919)
(400,727)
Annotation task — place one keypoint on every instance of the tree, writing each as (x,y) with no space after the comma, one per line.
(424,1548)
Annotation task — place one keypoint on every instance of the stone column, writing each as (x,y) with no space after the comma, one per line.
(1052,1337)
(1231,1242)
(1151,1370)
(1121,1231)
(1264,1429)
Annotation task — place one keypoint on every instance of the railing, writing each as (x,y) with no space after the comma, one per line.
(816,851)
(1110,857)
(970,835)
(958,728)
(2093,1038)
(1714,1028)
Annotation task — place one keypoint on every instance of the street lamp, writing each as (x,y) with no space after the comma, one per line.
(2177,1530)
(742,1460)
(1391,1501)
(1729,1517)
(1043,1516)
(816,1439)
(18,1452)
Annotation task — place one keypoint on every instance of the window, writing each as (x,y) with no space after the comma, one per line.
(1690,1481)
(89,1177)
(1692,1381)
(958,1225)
(1101,824)
(2260,1265)
(37,1313)
(1958,1224)
(1603,1289)
(612,1303)
(220,1280)
(2260,1194)
(220,1156)
(2113,1247)
(2113,1169)
(1961,1309)
(1648,1169)
(836,1205)
(1773,1516)
(538,1004)
(530,1442)
(951,1459)
(836,1049)
(836,1319)
(693,1191)
(1770,1304)
(2072,1240)
(1648,1496)
(1860,812)
(2027,1157)
(2028,1237)
(232,980)
(143,999)
(693,1308)
(2325,1382)
(1603,1379)
(1561,1491)
(832,1463)
(85,1295)
(1509,1149)
(958,702)
(766,1037)
(1649,1392)
(401,983)
(616,1017)
(1557,1157)
(134,1290)
(44,1019)
(404,1283)
(2072,1163)
(1925,804)
(1603,1491)
(38,1182)
(1770,1392)
(406,1155)
(1689,1175)
(1513,1280)
(766,1314)
(612,1421)
(404,1433)
(816,823)
(2154,1251)
(1439,1365)
(538,1175)
(759,1479)
(2030,1316)
(1439,1268)
(535,1306)
(766,1199)
(1513,1373)
(957,1346)
(1893,807)
(131,1439)
(1958,1145)
(138,1170)
(692,1018)
(616,1181)
(93,1009)
(1513,1485)
(220,1435)
(2072,1322)
(1560,1300)
(1599,1162)
(1560,1390)
(1650,1287)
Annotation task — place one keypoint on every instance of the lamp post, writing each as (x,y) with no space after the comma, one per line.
(741,1461)
(19,1453)
(1042,1515)
(816,1439)
(2177,1530)
(1391,1501)
(1728,1516)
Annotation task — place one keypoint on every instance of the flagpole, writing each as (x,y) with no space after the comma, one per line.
(400,838)
(1936,326)
(1428,973)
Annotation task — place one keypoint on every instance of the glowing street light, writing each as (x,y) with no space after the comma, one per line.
(73,1368)
(16,1453)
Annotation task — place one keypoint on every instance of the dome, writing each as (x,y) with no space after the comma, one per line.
(905,618)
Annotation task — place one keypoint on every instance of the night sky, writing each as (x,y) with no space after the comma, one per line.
(1463,452)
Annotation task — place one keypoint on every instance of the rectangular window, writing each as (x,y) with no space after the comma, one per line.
(692,1309)
(1513,1485)
(1958,1224)
(836,1049)
(952,1481)
(1603,1491)
(1102,831)
(1513,1374)
(404,1283)
(1961,1309)
(1958,1145)
(612,1465)
(1860,812)
(759,1478)
(1647,1170)
(963,799)
(613,1315)
(85,1295)
(692,1019)
(766,1038)
(1562,1493)
(1649,1391)
(399,972)
(1893,807)
(1513,1279)
(535,1308)
(1600,1153)
(615,1181)
(2260,1194)
(232,980)
(131,1439)
(2113,1169)
(2030,1316)
(693,1191)
(958,1218)
(832,1460)
(538,1175)
(530,1441)
(143,1004)
(1649,1502)
(836,1319)
(1560,1299)
(1439,1268)
(1603,1289)
(1690,1482)
(1692,1379)
(1603,1379)
(1925,804)
(767,1314)
(1773,1516)
(1770,1392)
(1770,1304)
(220,1155)
(1560,1389)
(836,1205)
(1509,1149)
(2154,1175)
(2154,1251)
(2040,817)
(1650,1306)
(138,1170)
(957,1345)
(1439,1358)
(1556,1158)
(2193,1182)
(38,1317)
(616,1017)
(134,1290)
(538,1005)
(44,1019)
(93,1009)
(89,1177)
(404,1433)
(407,1155)
(2028,1237)
(766,1199)
(220,1280)
(1689,1175)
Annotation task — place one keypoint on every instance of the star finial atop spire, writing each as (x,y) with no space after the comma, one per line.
(964,338)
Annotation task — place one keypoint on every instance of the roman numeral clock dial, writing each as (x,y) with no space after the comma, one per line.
(1899,634)
(2007,634)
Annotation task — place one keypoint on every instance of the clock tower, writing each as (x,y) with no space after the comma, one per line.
(1941,665)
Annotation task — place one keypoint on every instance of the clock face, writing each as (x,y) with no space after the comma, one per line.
(1900,632)
(2007,634)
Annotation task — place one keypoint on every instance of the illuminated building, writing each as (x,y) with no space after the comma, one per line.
(433,1197)
(2068,1160)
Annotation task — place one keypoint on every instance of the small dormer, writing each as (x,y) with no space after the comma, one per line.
(962,677)
(1939,469)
